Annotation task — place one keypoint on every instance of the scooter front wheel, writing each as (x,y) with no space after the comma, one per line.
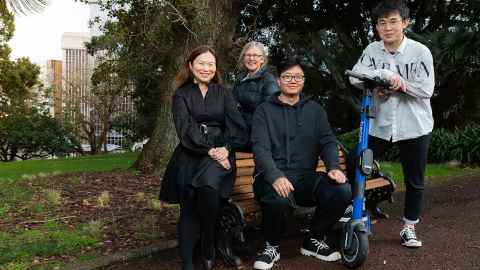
(356,255)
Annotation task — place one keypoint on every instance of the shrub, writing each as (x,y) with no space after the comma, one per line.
(468,144)
(462,145)
(442,146)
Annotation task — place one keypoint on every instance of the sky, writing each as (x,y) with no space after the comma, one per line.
(38,36)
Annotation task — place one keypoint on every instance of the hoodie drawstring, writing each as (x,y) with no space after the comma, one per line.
(287,136)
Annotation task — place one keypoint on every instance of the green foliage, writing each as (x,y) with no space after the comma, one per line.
(54,197)
(26,133)
(49,240)
(461,144)
(132,127)
(6,31)
(12,195)
(349,139)
(442,146)
(457,70)
(93,228)
(15,266)
(469,144)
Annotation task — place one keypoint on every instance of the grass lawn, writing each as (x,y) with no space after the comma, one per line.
(106,162)
(435,173)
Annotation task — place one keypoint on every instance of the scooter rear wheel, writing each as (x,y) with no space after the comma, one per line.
(357,254)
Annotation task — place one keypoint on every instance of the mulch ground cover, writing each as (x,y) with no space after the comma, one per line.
(121,203)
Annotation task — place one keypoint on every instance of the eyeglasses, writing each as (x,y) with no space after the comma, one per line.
(253,55)
(288,78)
(391,23)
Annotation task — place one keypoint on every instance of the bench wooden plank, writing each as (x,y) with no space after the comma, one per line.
(243,180)
(242,189)
(243,155)
(376,183)
(242,196)
(245,163)
(248,171)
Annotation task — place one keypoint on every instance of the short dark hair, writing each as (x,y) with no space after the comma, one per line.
(289,62)
(386,7)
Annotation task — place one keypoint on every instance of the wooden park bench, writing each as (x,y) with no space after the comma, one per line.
(242,210)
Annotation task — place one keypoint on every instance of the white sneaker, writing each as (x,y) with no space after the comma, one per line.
(267,258)
(409,237)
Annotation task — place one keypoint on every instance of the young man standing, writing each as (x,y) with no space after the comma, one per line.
(289,133)
(403,117)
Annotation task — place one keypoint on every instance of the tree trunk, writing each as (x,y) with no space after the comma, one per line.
(214,25)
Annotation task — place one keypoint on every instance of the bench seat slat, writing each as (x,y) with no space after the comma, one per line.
(242,189)
(376,183)
(242,196)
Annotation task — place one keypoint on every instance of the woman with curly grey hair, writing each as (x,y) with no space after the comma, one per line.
(256,83)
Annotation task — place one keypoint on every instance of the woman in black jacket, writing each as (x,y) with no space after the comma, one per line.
(256,84)
(202,167)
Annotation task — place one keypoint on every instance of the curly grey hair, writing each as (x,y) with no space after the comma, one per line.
(253,44)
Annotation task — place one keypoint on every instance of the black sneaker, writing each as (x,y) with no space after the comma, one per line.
(267,258)
(409,238)
(319,249)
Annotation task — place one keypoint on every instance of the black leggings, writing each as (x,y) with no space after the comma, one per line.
(198,214)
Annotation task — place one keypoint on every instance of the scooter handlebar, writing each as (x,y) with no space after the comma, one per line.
(374,81)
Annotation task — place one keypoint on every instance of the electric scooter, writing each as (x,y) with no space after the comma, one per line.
(354,240)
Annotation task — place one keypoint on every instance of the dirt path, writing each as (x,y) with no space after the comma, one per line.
(449,229)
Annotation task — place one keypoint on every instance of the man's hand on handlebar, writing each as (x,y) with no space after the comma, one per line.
(397,83)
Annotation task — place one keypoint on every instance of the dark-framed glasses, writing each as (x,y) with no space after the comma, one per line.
(289,78)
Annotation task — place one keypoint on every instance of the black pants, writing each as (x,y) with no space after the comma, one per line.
(315,190)
(198,214)
(413,157)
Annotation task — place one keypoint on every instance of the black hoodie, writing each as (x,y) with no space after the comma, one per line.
(288,139)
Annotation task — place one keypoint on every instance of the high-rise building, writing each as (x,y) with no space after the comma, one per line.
(77,69)
(54,82)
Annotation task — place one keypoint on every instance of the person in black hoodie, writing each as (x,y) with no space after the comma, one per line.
(289,133)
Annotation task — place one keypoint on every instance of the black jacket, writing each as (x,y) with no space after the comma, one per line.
(252,91)
(202,123)
(288,140)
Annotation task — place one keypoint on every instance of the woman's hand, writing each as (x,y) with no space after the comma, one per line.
(225,164)
(218,154)
(337,176)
